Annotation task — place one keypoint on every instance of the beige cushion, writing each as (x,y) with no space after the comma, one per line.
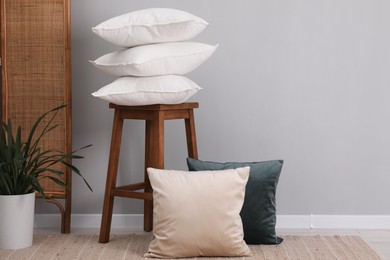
(198,213)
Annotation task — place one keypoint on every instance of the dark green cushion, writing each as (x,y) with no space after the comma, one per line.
(258,213)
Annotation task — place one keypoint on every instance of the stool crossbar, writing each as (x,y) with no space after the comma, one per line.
(154,116)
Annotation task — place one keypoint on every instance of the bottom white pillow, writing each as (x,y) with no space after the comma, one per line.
(198,213)
(138,91)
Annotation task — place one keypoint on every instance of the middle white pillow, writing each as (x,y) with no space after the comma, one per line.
(156,59)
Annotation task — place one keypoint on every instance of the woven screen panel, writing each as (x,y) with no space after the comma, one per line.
(36,70)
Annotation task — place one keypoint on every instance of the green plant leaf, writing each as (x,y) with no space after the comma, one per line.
(24,164)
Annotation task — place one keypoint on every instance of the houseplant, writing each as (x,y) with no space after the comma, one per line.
(23,163)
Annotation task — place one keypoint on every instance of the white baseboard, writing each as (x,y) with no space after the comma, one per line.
(89,220)
(334,221)
(283,221)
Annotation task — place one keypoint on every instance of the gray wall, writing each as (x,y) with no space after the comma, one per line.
(304,81)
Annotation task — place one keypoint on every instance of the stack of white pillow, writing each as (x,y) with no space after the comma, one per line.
(154,56)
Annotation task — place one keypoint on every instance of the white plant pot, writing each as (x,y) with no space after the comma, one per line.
(16,221)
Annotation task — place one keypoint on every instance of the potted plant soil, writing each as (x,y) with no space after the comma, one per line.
(23,163)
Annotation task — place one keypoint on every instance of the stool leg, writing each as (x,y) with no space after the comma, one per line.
(154,157)
(191,135)
(111,177)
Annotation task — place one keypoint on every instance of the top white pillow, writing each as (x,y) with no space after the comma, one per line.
(152,25)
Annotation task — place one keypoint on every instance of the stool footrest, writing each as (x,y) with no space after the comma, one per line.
(129,191)
(134,186)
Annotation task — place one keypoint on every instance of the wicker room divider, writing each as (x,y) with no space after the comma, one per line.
(36,77)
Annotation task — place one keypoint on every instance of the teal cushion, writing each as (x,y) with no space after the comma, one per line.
(258,213)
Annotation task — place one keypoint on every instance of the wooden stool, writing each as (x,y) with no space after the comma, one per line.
(154,116)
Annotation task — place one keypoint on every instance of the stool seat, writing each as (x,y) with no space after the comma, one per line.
(154,116)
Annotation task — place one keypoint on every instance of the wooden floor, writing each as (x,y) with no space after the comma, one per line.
(377,239)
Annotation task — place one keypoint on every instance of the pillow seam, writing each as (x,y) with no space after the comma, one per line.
(148,25)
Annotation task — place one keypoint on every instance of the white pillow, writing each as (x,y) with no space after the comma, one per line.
(155,59)
(137,91)
(150,26)
(198,213)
